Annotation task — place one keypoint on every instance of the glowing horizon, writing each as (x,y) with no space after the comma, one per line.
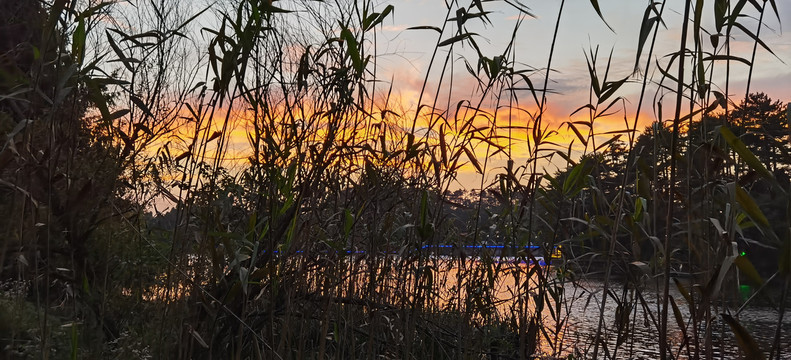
(506,118)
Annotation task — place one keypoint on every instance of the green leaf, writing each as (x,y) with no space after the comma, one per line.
(640,204)
(577,132)
(425,27)
(267,7)
(757,39)
(78,42)
(348,222)
(608,142)
(575,179)
(118,52)
(591,61)
(645,30)
(747,268)
(717,225)
(774,7)
(720,14)
(595,4)
(679,317)
(727,57)
(142,105)
(610,88)
(98,98)
(473,159)
(118,114)
(75,344)
(377,18)
(696,23)
(353,49)
(462,17)
(746,155)
(456,38)
(701,73)
(714,285)
(750,207)
(746,341)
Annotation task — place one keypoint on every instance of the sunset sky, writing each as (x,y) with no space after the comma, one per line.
(406,53)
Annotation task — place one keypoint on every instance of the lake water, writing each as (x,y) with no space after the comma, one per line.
(643,336)
(504,291)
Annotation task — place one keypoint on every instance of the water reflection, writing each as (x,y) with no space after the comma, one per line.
(643,337)
(488,289)
(506,290)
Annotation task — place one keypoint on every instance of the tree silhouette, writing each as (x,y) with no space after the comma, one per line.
(759,122)
(708,172)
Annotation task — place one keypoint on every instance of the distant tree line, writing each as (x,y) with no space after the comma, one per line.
(708,193)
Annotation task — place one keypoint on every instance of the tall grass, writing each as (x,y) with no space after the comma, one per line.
(139,224)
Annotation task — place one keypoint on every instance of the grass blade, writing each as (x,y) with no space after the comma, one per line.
(746,341)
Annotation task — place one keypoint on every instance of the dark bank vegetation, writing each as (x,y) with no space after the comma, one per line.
(133,226)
